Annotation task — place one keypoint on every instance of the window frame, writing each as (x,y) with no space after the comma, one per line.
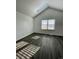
(48,28)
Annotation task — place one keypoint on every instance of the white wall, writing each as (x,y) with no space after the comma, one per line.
(24,25)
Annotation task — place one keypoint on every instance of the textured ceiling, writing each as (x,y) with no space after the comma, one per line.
(58,4)
(30,7)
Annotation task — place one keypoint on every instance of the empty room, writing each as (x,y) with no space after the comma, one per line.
(39,29)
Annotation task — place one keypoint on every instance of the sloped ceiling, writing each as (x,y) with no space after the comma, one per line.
(30,7)
(58,4)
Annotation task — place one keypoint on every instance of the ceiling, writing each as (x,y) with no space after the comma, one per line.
(34,7)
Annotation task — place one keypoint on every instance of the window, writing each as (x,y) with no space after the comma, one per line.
(48,24)
(51,24)
(44,24)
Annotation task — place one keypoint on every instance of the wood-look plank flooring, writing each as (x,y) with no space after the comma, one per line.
(51,46)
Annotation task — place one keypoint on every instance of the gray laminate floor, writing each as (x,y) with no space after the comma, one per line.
(51,46)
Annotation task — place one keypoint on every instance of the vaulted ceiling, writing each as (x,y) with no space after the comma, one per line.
(34,7)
